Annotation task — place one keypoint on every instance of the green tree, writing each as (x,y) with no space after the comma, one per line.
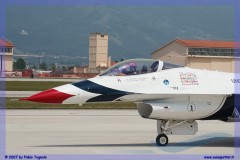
(43,66)
(19,64)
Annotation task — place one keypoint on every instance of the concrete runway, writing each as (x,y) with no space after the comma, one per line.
(106,132)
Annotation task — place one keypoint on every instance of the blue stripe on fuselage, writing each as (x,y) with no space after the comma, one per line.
(107,94)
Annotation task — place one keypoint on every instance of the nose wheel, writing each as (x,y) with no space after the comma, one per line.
(162,140)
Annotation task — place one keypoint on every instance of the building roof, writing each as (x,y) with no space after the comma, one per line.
(208,43)
(204,44)
(113,63)
(98,33)
(4,43)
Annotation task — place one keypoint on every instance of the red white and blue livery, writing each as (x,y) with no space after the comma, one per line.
(175,96)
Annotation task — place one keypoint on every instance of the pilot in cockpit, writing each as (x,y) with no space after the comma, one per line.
(123,70)
(128,69)
(133,68)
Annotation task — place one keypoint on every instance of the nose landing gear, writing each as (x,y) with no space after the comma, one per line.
(174,127)
(162,140)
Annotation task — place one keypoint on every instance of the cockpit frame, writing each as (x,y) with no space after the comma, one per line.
(138,66)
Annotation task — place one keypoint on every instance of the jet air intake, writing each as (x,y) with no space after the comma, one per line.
(145,110)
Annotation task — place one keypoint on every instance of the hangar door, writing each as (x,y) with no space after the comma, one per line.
(199,63)
(211,63)
(221,64)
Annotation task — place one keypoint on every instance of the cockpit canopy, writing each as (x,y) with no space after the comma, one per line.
(137,66)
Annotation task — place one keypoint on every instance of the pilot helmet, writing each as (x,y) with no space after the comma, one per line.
(133,66)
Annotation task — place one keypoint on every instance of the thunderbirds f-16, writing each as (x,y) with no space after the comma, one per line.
(175,96)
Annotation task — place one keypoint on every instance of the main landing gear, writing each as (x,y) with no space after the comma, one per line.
(162,128)
(162,140)
(174,127)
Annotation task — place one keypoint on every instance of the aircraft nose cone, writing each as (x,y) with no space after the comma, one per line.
(48,96)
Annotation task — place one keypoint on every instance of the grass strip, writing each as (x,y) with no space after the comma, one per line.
(12,103)
(31,85)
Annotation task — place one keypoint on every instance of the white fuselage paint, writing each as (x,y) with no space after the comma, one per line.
(175,89)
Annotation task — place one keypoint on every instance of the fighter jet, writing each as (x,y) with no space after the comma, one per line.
(175,96)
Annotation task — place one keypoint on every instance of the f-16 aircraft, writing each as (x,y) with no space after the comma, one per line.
(175,96)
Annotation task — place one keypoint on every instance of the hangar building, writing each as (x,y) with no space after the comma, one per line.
(202,54)
(6,55)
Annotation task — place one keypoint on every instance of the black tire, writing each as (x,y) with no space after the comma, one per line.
(162,140)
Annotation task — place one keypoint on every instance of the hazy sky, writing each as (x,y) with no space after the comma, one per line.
(133,31)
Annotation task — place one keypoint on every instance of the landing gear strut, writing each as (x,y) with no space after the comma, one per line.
(162,140)
(174,127)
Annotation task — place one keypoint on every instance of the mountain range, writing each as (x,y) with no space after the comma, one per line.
(133,31)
